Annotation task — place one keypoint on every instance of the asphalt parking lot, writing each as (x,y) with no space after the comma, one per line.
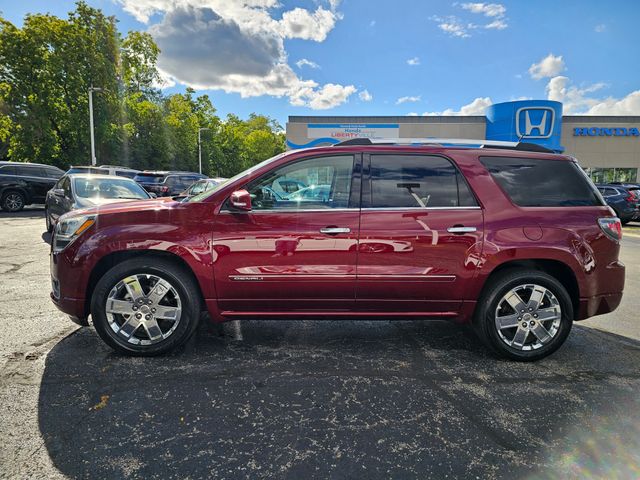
(308,399)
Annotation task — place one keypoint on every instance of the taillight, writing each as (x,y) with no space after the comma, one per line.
(631,198)
(164,189)
(612,227)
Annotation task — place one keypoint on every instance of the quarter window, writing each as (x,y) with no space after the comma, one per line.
(315,183)
(542,183)
(410,181)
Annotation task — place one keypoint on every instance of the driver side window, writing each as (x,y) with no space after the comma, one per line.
(315,183)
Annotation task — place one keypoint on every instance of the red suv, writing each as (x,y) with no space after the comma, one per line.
(513,240)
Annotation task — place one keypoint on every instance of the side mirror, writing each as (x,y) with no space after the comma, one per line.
(241,199)
(58,192)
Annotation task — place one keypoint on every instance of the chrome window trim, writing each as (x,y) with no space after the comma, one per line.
(419,208)
(294,211)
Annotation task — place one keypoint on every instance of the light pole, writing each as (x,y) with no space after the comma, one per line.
(93,142)
(200,148)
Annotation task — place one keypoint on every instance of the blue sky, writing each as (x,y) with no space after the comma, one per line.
(330,57)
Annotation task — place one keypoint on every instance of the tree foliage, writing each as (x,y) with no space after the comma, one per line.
(46,69)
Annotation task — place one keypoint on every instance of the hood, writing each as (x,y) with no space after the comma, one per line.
(125,205)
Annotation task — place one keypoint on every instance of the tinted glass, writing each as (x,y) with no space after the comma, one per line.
(149,178)
(197,188)
(53,172)
(542,183)
(66,186)
(126,173)
(108,188)
(323,182)
(407,181)
(7,170)
(27,171)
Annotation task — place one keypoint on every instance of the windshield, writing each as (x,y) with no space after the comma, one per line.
(108,188)
(246,173)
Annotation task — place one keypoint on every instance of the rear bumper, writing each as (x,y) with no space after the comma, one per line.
(598,305)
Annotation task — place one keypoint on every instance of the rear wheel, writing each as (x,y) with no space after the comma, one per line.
(146,306)
(13,201)
(524,315)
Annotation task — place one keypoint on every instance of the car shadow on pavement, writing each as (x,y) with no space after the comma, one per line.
(313,399)
(26,212)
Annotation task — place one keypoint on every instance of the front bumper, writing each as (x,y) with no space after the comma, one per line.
(68,282)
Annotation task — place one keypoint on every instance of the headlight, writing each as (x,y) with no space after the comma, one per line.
(68,229)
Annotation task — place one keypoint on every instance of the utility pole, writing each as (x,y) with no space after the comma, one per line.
(93,142)
(200,148)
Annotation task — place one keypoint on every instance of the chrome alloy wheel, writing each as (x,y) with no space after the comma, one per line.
(528,317)
(13,202)
(143,309)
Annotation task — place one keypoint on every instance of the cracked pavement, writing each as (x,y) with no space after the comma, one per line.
(305,399)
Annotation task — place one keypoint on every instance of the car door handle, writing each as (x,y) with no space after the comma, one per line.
(335,230)
(461,229)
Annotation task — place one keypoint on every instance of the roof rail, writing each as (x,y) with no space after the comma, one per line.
(447,142)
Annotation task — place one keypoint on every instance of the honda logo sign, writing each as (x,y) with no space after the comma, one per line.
(534,122)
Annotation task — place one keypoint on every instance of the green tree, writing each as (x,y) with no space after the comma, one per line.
(50,64)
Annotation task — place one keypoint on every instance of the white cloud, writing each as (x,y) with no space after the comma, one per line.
(372,23)
(600,28)
(412,114)
(365,96)
(164,81)
(487,9)
(300,23)
(456,27)
(408,99)
(453,26)
(629,105)
(496,25)
(413,61)
(477,107)
(303,62)
(329,96)
(549,66)
(581,101)
(238,46)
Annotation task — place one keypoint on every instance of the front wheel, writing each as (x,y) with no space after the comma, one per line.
(146,306)
(47,221)
(524,315)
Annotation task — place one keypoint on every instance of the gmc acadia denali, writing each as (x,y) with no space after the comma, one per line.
(509,237)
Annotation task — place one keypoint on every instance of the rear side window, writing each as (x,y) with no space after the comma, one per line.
(409,181)
(542,183)
(149,178)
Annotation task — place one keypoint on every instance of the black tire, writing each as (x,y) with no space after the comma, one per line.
(486,311)
(177,276)
(13,201)
(47,221)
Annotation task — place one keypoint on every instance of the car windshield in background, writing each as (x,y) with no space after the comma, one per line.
(146,178)
(246,173)
(108,188)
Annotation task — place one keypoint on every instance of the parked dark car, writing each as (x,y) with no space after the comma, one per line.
(167,184)
(516,242)
(25,183)
(201,186)
(623,202)
(77,191)
(105,170)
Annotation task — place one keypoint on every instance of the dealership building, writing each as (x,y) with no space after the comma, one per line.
(607,147)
